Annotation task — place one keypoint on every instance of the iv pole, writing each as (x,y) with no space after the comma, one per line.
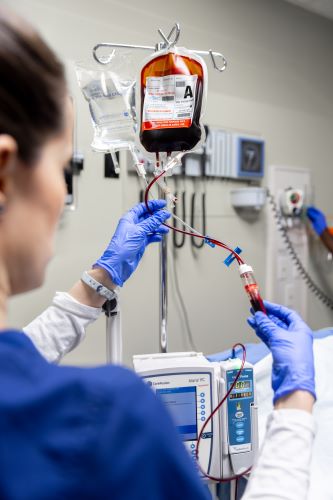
(163,256)
(113,328)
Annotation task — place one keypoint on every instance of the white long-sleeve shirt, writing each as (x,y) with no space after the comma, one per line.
(282,471)
(61,327)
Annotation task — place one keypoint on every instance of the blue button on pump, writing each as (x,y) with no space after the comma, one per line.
(202,401)
(239,425)
(202,395)
(240,432)
(192,446)
(240,439)
(203,419)
(202,407)
(203,413)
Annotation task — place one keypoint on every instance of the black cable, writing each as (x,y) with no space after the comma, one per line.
(204,154)
(180,244)
(322,296)
(194,243)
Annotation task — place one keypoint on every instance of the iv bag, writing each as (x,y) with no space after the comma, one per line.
(171,96)
(110,94)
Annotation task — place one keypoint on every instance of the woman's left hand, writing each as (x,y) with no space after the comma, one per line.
(290,340)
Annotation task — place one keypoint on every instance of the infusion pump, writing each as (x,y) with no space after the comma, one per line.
(191,387)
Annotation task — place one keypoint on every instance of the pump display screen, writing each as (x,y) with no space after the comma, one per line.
(243,384)
(242,389)
(182,404)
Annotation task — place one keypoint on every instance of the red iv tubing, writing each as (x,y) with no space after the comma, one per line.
(211,240)
(250,286)
(232,478)
(252,290)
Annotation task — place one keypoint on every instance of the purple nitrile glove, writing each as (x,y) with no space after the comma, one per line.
(317,219)
(290,340)
(136,229)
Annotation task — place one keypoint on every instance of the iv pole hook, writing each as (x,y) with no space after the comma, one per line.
(218,54)
(167,39)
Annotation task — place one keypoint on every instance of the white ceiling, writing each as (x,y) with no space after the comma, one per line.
(321,7)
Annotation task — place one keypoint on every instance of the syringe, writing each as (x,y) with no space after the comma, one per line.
(251,287)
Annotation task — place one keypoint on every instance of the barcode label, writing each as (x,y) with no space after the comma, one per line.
(180,84)
(168,97)
(184,115)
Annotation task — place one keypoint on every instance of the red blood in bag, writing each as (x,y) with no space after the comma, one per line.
(171,100)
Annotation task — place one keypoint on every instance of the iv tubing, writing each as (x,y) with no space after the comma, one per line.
(193,231)
(213,478)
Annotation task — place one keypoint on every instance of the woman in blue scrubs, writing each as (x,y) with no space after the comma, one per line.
(67,433)
(71,433)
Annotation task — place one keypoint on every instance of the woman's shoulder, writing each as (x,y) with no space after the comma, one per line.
(89,392)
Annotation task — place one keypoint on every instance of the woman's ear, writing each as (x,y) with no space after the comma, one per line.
(8,159)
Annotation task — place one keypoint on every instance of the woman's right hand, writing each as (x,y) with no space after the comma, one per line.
(291,342)
(135,231)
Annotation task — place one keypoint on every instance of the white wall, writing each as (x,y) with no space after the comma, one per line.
(279,83)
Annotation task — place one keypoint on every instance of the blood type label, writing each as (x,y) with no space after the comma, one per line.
(169,102)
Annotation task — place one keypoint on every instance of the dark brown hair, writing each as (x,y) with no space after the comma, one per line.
(32,86)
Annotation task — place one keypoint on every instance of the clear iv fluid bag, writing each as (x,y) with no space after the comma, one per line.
(112,122)
(173,88)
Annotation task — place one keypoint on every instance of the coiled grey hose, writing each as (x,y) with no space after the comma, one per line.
(320,294)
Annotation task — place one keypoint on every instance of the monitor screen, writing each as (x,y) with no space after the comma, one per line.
(182,404)
(251,160)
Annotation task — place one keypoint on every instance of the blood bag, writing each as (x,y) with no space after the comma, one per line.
(172,91)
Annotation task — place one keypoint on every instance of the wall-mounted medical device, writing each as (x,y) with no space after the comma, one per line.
(249,198)
(292,202)
(191,387)
(234,155)
(74,168)
(225,154)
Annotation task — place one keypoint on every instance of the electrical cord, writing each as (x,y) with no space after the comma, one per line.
(180,244)
(194,243)
(314,288)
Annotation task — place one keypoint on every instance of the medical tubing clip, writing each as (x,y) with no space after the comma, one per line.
(229,260)
(209,242)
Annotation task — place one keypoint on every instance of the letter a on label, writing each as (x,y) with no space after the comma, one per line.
(188,92)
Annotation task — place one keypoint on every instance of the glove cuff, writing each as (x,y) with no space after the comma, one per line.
(111,272)
(320,231)
(285,391)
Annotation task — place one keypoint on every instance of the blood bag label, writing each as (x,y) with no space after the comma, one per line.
(169,102)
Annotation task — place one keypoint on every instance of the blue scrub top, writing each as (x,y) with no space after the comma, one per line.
(75,433)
